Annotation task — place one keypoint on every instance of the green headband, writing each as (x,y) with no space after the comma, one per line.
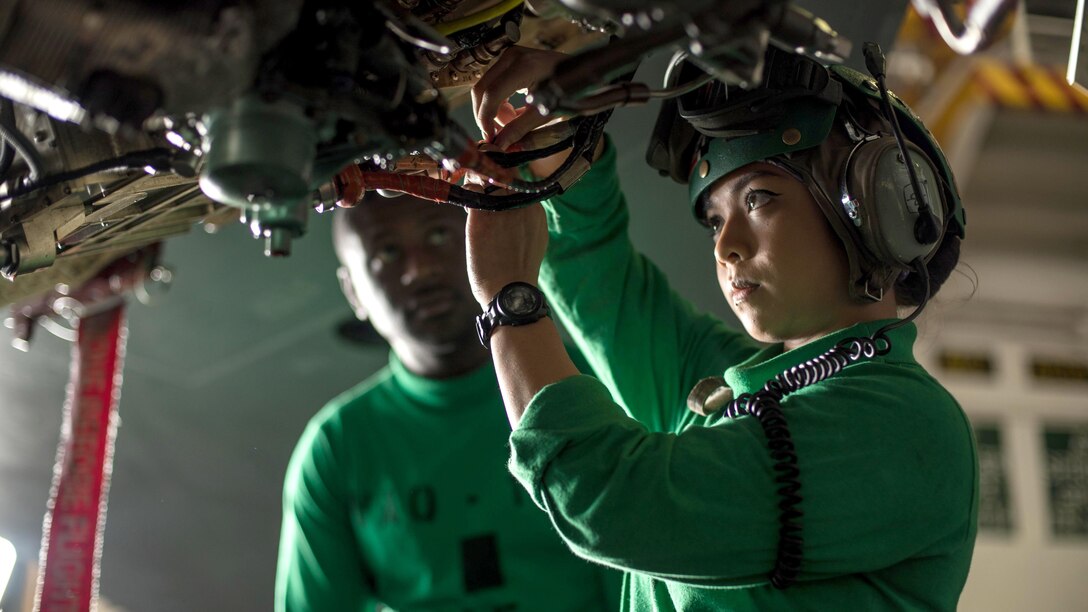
(805,124)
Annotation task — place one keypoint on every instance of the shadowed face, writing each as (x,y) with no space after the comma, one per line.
(780,266)
(404,270)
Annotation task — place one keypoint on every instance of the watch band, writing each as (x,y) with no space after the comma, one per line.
(515,304)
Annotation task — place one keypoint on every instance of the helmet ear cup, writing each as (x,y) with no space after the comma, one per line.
(878,199)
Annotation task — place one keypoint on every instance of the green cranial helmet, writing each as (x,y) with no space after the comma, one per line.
(824,126)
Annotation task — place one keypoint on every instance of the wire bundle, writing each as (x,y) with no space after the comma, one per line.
(494,166)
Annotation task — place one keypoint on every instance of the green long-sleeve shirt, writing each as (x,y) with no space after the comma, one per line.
(398,494)
(687,505)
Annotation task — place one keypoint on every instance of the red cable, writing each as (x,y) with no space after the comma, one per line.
(353,181)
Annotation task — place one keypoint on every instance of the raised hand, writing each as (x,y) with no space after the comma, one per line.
(518,69)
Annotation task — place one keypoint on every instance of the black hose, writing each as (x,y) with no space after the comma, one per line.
(7,153)
(7,255)
(23,146)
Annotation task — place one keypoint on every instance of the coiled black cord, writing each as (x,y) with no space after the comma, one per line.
(765,405)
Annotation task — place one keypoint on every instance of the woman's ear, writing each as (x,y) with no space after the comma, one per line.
(348,288)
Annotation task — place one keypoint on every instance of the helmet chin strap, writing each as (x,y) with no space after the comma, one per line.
(918,266)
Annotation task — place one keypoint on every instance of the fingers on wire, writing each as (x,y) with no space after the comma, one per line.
(527,120)
(506,113)
(494,89)
(485,101)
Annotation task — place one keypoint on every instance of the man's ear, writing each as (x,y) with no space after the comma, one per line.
(348,288)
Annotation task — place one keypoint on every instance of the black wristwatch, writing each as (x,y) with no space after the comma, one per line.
(515,304)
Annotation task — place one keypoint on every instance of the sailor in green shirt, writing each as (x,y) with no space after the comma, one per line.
(397,496)
(843,476)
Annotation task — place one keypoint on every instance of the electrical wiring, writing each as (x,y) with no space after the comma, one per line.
(351,183)
(354,180)
(585,140)
(475,19)
(517,158)
(494,166)
(488,201)
(496,175)
(586,135)
(158,158)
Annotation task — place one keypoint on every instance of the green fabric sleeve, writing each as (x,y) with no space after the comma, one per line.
(647,344)
(316,570)
(885,479)
(643,501)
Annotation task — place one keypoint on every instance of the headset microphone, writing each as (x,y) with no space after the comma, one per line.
(925,228)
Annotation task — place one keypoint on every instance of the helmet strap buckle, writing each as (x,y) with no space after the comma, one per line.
(872,291)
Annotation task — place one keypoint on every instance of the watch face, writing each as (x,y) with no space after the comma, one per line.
(519,300)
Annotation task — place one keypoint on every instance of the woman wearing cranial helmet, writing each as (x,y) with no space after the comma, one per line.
(825,471)
(900,226)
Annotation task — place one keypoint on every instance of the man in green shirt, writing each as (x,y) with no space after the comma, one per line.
(844,477)
(397,495)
